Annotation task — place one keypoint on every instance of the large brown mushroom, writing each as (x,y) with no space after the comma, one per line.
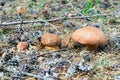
(90,36)
(51,41)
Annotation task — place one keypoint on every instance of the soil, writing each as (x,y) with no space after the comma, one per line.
(28,20)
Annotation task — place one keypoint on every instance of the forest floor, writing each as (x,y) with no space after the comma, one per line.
(28,20)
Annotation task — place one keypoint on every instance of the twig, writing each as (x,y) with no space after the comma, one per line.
(67,15)
(25,73)
(75,9)
(56,19)
(32,75)
(43,54)
(51,25)
(51,52)
(97,15)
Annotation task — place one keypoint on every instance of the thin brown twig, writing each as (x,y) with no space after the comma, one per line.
(45,53)
(56,19)
(51,52)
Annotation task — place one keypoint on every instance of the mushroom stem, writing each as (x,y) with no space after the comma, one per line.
(52,47)
(91,47)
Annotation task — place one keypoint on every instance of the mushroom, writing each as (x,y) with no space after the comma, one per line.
(51,41)
(22,45)
(89,36)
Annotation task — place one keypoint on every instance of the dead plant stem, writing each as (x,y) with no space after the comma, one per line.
(56,19)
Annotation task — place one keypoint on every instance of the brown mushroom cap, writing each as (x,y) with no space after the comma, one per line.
(90,36)
(50,39)
(22,45)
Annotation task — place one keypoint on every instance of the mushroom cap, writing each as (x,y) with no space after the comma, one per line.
(22,45)
(50,39)
(90,36)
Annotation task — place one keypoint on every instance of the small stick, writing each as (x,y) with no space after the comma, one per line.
(56,19)
(32,75)
(51,25)
(75,9)
(25,73)
(51,52)
(46,53)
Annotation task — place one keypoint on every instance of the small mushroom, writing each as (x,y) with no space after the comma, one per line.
(51,41)
(22,45)
(89,36)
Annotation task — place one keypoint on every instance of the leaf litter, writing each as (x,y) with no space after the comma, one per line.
(71,61)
